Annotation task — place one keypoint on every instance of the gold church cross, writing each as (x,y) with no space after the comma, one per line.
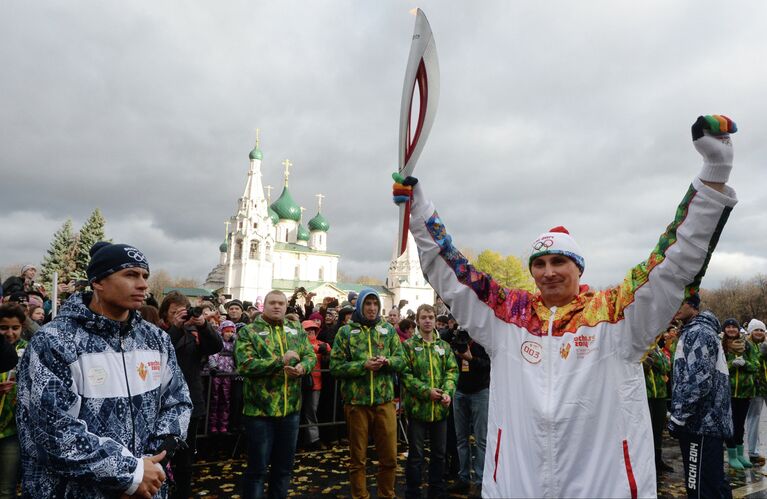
(287,164)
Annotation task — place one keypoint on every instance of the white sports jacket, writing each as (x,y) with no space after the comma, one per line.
(568,413)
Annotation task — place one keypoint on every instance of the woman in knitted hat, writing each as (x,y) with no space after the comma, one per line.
(756,335)
(742,363)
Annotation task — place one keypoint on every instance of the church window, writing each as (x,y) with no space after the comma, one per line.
(268,252)
(298,272)
(286,234)
(322,274)
(238,250)
(255,225)
(254,250)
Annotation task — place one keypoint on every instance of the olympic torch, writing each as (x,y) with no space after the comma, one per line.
(422,72)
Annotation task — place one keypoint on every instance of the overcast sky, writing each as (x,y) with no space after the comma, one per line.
(551,113)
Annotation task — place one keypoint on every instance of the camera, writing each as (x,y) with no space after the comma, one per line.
(193,312)
(171,444)
(460,341)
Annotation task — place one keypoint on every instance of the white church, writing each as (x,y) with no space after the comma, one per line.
(268,247)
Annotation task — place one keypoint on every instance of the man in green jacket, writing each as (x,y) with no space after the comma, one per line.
(429,379)
(365,355)
(272,355)
(657,368)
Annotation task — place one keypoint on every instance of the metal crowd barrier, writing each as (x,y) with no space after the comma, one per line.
(336,419)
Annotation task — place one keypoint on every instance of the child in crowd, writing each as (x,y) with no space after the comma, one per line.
(222,363)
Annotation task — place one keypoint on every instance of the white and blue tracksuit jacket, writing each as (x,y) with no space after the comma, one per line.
(700,400)
(94,397)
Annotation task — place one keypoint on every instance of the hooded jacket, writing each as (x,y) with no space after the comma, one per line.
(657,374)
(743,378)
(700,399)
(258,351)
(428,365)
(94,396)
(357,342)
(567,414)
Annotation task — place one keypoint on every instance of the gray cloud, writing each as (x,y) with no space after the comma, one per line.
(553,114)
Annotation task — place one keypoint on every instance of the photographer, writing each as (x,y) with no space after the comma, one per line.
(304,311)
(470,408)
(193,338)
(23,283)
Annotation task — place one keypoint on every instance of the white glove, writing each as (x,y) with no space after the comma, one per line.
(711,138)
(738,361)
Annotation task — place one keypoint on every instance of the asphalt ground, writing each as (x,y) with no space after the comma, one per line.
(323,474)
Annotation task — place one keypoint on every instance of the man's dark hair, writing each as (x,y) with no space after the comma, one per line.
(406,324)
(172,298)
(11,310)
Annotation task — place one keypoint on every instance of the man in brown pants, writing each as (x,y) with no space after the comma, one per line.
(365,354)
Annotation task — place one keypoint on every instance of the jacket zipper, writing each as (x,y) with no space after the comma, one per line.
(130,399)
(550,361)
(431,378)
(284,374)
(370,355)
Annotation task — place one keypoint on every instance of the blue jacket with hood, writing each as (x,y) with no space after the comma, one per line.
(95,396)
(700,401)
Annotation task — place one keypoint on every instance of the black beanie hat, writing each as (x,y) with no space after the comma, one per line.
(108,258)
(730,322)
(694,301)
(233,303)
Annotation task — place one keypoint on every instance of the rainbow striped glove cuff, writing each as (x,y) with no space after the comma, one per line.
(711,138)
(403,188)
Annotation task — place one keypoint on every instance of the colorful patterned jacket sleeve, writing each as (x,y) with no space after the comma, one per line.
(45,387)
(653,290)
(477,301)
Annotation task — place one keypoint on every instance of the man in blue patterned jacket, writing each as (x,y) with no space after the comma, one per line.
(99,390)
(700,405)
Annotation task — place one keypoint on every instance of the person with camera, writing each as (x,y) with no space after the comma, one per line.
(100,391)
(272,354)
(429,380)
(23,283)
(470,409)
(193,339)
(305,310)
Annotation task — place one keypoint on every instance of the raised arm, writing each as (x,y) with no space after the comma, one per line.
(653,290)
(476,300)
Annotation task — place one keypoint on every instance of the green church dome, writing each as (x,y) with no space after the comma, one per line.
(302,234)
(224,247)
(273,215)
(256,154)
(286,208)
(319,223)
